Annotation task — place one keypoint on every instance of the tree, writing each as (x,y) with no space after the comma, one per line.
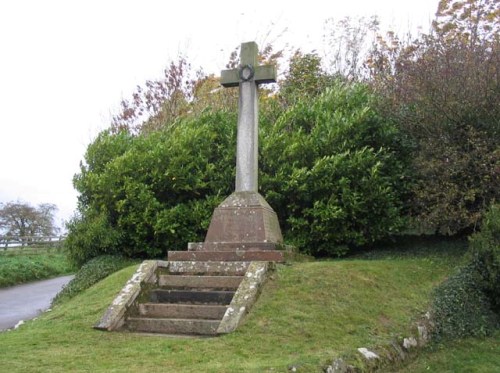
(443,89)
(305,78)
(348,41)
(472,21)
(181,92)
(161,101)
(19,219)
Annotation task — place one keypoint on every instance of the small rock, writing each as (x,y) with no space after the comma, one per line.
(21,322)
(409,343)
(338,366)
(400,354)
(423,334)
(367,353)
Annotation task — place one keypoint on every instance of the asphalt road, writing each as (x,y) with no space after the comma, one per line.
(27,301)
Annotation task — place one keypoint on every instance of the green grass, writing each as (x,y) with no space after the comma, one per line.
(20,267)
(472,355)
(307,314)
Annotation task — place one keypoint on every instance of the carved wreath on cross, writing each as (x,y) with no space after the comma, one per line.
(246,72)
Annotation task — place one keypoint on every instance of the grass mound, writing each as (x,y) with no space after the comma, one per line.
(308,313)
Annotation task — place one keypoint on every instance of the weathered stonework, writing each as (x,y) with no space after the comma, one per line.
(245,296)
(237,268)
(392,353)
(214,311)
(114,316)
(244,221)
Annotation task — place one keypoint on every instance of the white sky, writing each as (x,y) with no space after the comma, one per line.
(65,66)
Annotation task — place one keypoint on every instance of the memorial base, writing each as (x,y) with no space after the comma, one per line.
(244,221)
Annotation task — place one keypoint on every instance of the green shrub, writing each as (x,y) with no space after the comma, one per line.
(92,272)
(333,170)
(485,249)
(91,235)
(156,195)
(461,308)
(467,304)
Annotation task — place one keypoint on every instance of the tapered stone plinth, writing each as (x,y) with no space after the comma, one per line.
(244,221)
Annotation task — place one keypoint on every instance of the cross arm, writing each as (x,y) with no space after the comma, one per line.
(262,74)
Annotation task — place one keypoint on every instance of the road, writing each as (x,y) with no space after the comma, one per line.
(27,301)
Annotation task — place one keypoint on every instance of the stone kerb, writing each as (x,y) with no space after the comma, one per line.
(382,356)
(114,317)
(245,296)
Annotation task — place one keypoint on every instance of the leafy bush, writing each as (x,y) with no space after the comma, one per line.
(91,235)
(468,303)
(333,170)
(485,249)
(91,273)
(156,192)
(443,90)
(461,308)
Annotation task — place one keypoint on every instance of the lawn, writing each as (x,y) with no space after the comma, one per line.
(307,314)
(20,266)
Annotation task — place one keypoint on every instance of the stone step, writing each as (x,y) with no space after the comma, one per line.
(173,326)
(228,256)
(212,282)
(191,296)
(181,311)
(208,268)
(231,246)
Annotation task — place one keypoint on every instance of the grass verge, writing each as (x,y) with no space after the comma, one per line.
(474,355)
(307,314)
(17,268)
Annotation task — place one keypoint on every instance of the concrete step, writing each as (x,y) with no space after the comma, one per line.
(228,256)
(182,311)
(191,282)
(173,326)
(191,296)
(208,268)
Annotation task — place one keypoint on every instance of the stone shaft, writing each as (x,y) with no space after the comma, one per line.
(248,138)
(247,77)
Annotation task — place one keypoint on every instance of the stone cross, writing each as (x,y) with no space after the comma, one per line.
(248,76)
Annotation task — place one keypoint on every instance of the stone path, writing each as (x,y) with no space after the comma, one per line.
(27,301)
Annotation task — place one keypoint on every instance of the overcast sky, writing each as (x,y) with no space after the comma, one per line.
(65,66)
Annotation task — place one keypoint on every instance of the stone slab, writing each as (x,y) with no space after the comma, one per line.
(233,246)
(210,282)
(173,326)
(228,256)
(219,268)
(182,311)
(191,296)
